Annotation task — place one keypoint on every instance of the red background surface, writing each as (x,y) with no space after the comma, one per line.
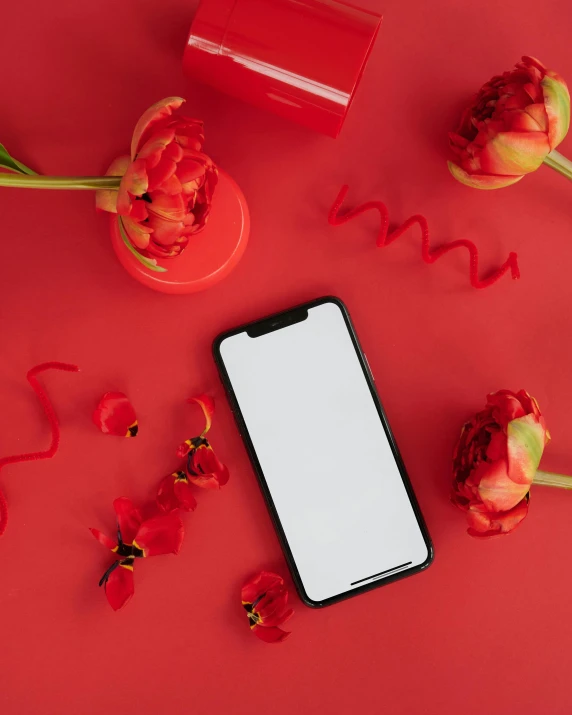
(487,628)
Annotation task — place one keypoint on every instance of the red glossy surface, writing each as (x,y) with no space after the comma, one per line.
(487,628)
(302,59)
(210,256)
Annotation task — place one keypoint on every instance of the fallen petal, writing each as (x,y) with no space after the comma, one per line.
(129,519)
(166,499)
(115,415)
(206,403)
(205,470)
(104,539)
(183,492)
(160,535)
(119,584)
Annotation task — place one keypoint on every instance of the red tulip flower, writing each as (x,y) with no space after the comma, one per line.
(203,468)
(511,127)
(161,192)
(115,415)
(265,600)
(167,182)
(137,538)
(496,461)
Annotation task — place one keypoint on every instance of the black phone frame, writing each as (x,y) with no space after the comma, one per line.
(276,322)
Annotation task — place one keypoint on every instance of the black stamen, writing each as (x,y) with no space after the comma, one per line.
(258,600)
(108,573)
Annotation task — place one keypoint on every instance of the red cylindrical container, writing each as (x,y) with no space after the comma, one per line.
(302,59)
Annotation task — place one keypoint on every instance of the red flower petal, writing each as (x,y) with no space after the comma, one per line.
(273,610)
(184,448)
(134,183)
(115,415)
(270,635)
(139,234)
(129,519)
(265,598)
(150,118)
(206,403)
(259,585)
(153,149)
(166,498)
(175,493)
(484,524)
(184,494)
(162,534)
(104,539)
(205,470)
(106,199)
(167,208)
(119,586)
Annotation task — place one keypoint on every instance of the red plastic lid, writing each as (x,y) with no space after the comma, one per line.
(302,59)
(211,254)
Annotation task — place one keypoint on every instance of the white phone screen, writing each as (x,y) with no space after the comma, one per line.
(324,454)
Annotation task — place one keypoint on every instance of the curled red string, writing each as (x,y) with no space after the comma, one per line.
(385,237)
(52,419)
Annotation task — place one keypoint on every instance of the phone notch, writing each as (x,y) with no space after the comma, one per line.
(277,322)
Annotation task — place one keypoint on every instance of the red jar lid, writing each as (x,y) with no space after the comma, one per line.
(302,59)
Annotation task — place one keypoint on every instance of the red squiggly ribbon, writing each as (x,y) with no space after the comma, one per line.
(52,419)
(385,237)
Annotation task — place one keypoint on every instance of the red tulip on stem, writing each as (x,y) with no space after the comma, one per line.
(161,192)
(512,126)
(496,461)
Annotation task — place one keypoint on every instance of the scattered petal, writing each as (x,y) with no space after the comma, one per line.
(129,519)
(137,538)
(206,403)
(204,469)
(115,415)
(119,584)
(104,540)
(265,600)
(160,535)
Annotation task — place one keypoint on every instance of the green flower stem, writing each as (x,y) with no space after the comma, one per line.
(85,183)
(559,163)
(550,479)
(8,162)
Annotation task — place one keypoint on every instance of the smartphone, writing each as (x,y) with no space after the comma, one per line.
(336,487)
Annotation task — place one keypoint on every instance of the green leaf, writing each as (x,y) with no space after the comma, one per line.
(9,162)
(147,262)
